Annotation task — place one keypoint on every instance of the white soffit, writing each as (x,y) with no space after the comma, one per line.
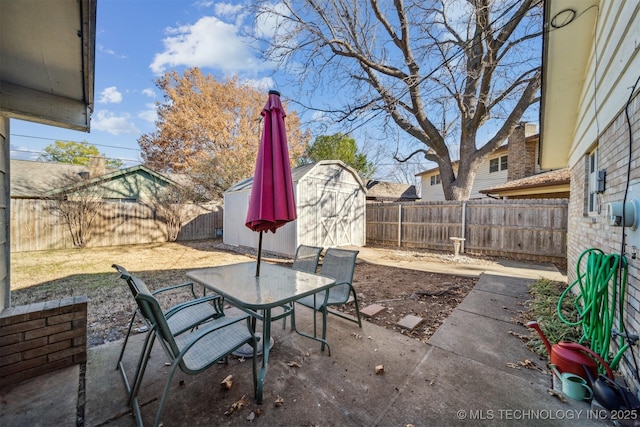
(47,61)
(568,40)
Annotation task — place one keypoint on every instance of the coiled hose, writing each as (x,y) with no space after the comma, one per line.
(596,302)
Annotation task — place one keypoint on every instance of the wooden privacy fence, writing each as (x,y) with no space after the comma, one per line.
(534,230)
(35,227)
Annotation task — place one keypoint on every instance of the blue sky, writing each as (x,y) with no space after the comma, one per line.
(135,42)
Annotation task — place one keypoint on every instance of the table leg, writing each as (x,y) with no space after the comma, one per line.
(266,347)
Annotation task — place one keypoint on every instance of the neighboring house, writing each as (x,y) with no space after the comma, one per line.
(37,180)
(330,206)
(47,68)
(546,185)
(381,191)
(589,123)
(515,160)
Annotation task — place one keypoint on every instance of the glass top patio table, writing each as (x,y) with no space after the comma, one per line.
(276,286)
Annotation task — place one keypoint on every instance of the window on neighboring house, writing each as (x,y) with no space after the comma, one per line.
(592,180)
(498,164)
(435,179)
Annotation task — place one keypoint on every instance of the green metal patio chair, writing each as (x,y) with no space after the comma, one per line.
(180,318)
(339,264)
(306,259)
(194,351)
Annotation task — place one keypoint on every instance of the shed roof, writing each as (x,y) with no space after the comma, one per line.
(297,174)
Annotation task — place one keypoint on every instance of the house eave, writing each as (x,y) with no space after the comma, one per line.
(569,26)
(47,61)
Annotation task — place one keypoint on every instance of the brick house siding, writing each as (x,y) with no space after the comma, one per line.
(586,230)
(42,337)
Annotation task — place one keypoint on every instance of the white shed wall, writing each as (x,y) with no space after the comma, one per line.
(235,232)
(332,209)
(330,206)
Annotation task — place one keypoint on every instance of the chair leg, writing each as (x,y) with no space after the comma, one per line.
(142,366)
(165,393)
(325,313)
(126,339)
(355,300)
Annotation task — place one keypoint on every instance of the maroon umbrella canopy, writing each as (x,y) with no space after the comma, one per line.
(272,204)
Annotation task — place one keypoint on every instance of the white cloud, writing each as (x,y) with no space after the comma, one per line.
(149,92)
(112,52)
(264,83)
(110,95)
(227,9)
(209,42)
(107,121)
(150,114)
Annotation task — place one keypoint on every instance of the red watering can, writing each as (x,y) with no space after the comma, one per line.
(572,357)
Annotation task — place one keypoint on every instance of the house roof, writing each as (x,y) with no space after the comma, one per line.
(381,190)
(111,176)
(298,173)
(566,50)
(47,61)
(555,181)
(33,179)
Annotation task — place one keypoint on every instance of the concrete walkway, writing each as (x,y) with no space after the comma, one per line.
(463,376)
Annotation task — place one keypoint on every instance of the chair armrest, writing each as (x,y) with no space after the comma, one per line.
(217,305)
(173,287)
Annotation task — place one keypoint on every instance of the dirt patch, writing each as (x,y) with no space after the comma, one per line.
(50,275)
(405,292)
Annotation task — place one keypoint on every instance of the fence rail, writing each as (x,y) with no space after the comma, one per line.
(34,226)
(534,230)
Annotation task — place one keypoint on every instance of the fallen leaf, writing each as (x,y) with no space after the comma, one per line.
(379,369)
(251,416)
(556,394)
(236,406)
(227,382)
(258,412)
(279,401)
(294,364)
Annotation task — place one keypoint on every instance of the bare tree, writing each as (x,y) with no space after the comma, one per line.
(455,75)
(172,204)
(78,204)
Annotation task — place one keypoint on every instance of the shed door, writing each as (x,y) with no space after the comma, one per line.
(336,216)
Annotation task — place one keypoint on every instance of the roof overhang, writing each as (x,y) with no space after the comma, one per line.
(537,190)
(569,27)
(47,61)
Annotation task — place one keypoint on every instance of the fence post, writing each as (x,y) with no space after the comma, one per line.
(400,225)
(464,220)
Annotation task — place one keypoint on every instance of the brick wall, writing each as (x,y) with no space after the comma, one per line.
(593,230)
(42,337)
(522,155)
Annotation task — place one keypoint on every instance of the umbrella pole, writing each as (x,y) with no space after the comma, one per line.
(259,255)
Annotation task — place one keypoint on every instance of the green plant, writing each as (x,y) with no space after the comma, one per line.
(545,295)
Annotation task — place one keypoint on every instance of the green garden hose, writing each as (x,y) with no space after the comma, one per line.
(596,301)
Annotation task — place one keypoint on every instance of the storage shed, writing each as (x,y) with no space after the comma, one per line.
(330,202)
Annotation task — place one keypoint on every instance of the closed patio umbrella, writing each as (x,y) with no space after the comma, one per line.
(272,203)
